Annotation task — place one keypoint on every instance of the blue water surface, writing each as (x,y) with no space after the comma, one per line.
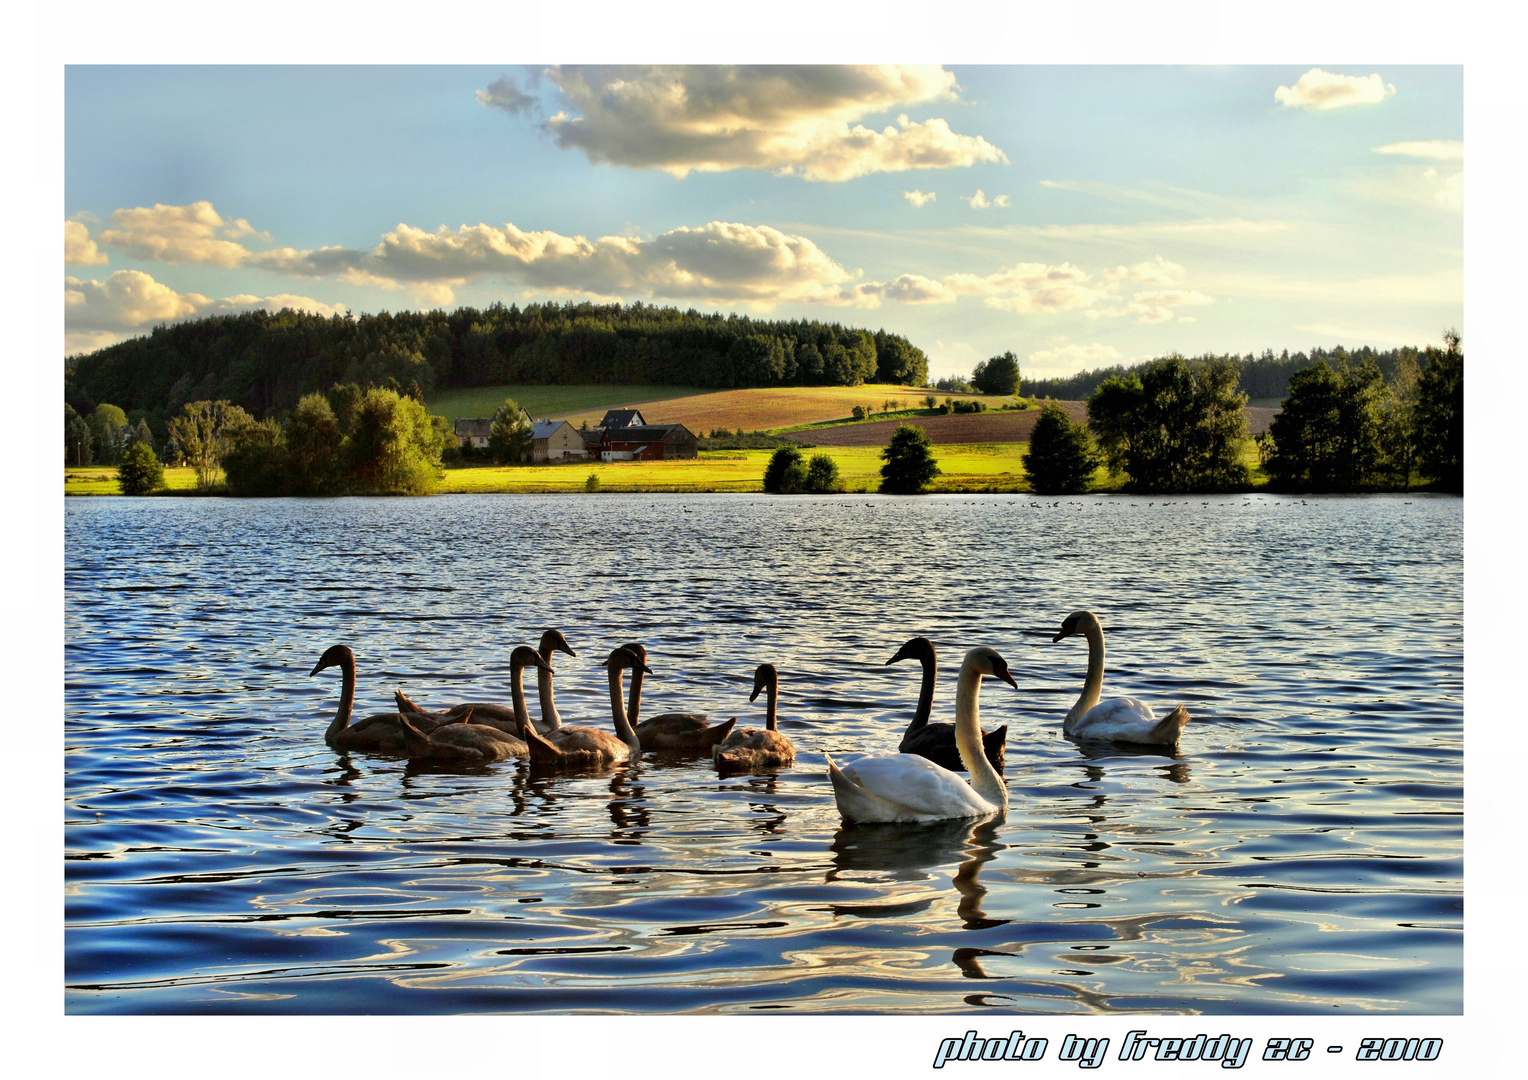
(1301,852)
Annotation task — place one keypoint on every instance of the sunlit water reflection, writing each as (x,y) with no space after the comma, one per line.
(1300,853)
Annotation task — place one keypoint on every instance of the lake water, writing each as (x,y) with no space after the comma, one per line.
(1300,853)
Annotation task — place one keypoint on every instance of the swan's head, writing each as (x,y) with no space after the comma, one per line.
(524,656)
(918,648)
(334,656)
(637,649)
(987,662)
(624,657)
(764,676)
(553,641)
(1075,623)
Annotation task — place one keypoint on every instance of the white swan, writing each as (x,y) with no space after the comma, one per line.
(1123,719)
(906,787)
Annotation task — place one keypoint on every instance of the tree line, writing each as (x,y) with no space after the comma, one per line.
(264,362)
(1261,376)
(1176,425)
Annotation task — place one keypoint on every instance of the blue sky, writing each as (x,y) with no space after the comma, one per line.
(1125,211)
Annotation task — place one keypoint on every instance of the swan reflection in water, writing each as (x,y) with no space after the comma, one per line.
(906,852)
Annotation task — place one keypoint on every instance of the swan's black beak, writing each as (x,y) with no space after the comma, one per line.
(755,693)
(1063,632)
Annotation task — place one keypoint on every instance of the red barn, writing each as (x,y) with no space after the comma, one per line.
(648,442)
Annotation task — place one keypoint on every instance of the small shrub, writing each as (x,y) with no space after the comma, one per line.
(859,412)
(822,475)
(140,471)
(592,484)
(785,473)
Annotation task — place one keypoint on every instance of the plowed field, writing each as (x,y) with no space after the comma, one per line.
(987,427)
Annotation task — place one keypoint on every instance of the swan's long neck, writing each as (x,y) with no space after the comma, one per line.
(773,690)
(517,695)
(1093,685)
(985,780)
(634,708)
(549,715)
(347,700)
(623,726)
(925,695)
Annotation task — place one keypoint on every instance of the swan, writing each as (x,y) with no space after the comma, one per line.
(670,731)
(459,742)
(906,787)
(551,640)
(937,741)
(379,734)
(507,718)
(752,748)
(587,747)
(1118,719)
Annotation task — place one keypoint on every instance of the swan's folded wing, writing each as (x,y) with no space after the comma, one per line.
(917,786)
(1125,719)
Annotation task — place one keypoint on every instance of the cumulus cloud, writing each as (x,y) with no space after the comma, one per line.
(1026,288)
(79,249)
(1157,271)
(910,289)
(95,311)
(798,120)
(1429,149)
(918,198)
(979,201)
(505,94)
(1152,306)
(1074,357)
(179,234)
(1323,90)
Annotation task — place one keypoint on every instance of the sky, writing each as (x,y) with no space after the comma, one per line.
(1079,216)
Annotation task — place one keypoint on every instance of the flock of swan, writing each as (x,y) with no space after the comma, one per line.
(919,783)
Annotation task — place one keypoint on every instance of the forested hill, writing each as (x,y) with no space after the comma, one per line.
(265,362)
(1265,376)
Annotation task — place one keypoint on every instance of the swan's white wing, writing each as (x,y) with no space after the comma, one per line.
(1124,720)
(913,787)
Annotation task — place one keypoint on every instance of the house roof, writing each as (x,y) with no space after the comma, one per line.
(623,418)
(544,429)
(474,427)
(648,433)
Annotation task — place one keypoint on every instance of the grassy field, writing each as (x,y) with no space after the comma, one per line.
(102,480)
(964,467)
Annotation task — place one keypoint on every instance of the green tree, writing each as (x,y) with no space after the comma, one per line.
(909,462)
(202,429)
(393,448)
(785,474)
(107,427)
(1173,426)
(140,471)
(1439,423)
(254,458)
(313,442)
(79,444)
(509,438)
(822,475)
(1061,455)
(997,375)
(1327,435)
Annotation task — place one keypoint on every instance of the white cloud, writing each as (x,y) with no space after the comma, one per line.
(918,198)
(504,94)
(911,289)
(1157,271)
(1451,191)
(95,311)
(1152,306)
(1431,149)
(979,200)
(79,249)
(1323,90)
(179,234)
(1029,288)
(794,120)
(1074,357)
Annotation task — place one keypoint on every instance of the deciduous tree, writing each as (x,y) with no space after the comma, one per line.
(909,462)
